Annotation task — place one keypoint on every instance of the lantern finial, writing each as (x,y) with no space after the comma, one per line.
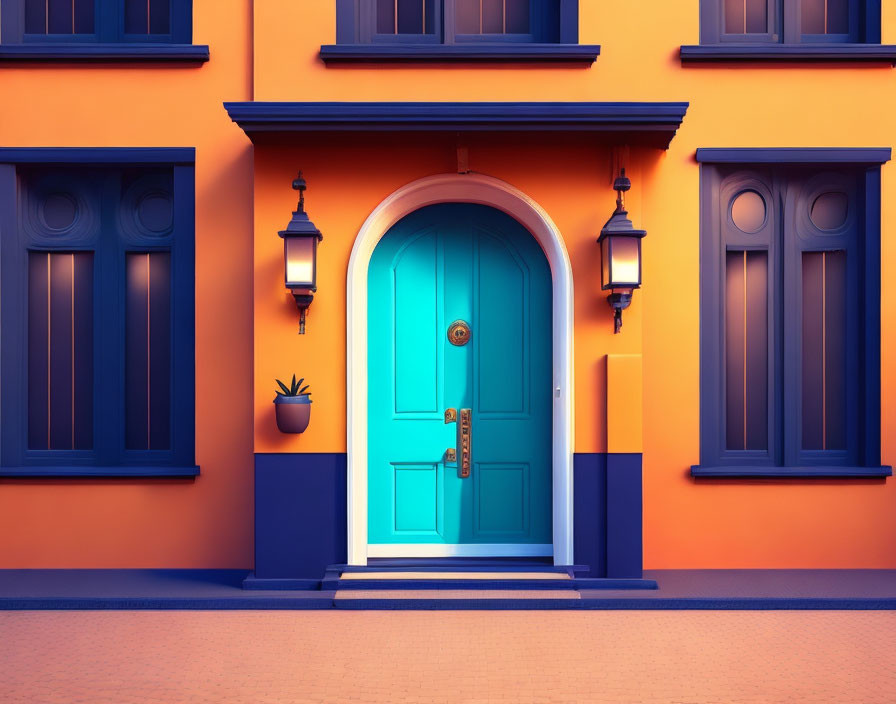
(621,185)
(299,185)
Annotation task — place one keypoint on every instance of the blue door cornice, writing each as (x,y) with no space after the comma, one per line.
(647,124)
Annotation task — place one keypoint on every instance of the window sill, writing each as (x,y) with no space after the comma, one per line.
(791,472)
(168,53)
(65,471)
(459,53)
(844,53)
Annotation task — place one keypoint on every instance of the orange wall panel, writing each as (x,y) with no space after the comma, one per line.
(158,523)
(247,322)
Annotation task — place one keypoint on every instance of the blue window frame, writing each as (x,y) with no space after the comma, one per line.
(96,314)
(803,30)
(102,29)
(790,328)
(790,21)
(377,30)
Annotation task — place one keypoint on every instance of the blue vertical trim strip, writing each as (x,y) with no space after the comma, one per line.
(346,21)
(12,26)
(710,21)
(300,514)
(624,515)
(108,344)
(13,338)
(871,28)
(569,21)
(589,512)
(109,21)
(711,272)
(181,22)
(183,339)
(872,359)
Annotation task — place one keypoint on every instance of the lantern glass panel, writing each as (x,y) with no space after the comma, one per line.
(605,262)
(625,267)
(299,253)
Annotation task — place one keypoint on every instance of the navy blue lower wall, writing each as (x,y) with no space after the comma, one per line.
(607,514)
(300,514)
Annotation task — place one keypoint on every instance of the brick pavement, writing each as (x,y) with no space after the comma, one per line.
(280,657)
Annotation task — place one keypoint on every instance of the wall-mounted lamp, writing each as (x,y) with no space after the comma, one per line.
(300,240)
(620,251)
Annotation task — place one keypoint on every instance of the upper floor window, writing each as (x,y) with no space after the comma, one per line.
(469,30)
(96,319)
(790,21)
(450,21)
(80,29)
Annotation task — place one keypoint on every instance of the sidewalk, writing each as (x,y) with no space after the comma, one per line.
(592,657)
(221,590)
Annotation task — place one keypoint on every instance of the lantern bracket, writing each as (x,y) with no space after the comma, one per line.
(619,301)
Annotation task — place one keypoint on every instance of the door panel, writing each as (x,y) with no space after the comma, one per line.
(416,295)
(441,264)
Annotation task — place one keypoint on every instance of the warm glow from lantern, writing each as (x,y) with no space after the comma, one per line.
(625,265)
(300,261)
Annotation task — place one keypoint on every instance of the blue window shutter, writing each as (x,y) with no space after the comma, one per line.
(183,325)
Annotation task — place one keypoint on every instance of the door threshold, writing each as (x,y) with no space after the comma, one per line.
(472,564)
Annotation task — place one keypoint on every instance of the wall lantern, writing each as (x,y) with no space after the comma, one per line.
(300,239)
(620,252)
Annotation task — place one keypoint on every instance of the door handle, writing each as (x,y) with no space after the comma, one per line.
(450,456)
(465,441)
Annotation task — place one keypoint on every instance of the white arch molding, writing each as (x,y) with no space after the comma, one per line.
(484,190)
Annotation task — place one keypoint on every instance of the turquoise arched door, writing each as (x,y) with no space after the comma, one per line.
(479,269)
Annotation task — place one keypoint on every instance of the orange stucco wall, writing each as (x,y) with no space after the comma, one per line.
(269,51)
(686,523)
(149,523)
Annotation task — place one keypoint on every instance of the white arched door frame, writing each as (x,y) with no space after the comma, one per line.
(483,190)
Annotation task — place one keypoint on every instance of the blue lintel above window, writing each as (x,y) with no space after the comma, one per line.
(793,155)
(99,31)
(461,31)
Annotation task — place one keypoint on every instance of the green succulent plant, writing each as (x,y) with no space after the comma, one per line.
(294,389)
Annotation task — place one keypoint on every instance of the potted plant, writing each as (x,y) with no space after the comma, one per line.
(292,406)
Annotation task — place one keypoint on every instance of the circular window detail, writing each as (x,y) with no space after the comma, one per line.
(829,211)
(748,211)
(155,212)
(59,211)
